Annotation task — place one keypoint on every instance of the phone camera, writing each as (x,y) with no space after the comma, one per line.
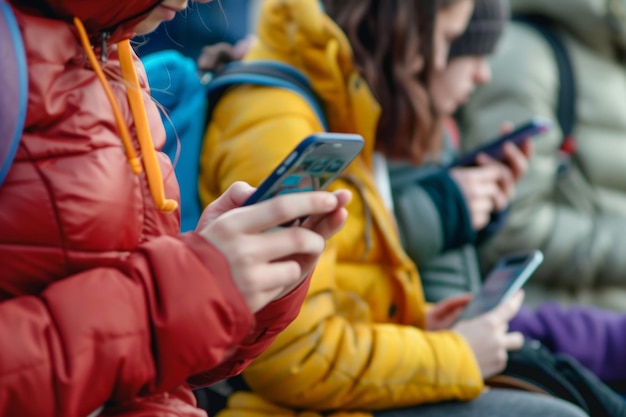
(319,166)
(306,164)
(334,166)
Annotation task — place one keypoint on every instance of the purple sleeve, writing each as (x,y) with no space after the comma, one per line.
(595,337)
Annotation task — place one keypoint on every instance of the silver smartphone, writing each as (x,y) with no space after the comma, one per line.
(505,279)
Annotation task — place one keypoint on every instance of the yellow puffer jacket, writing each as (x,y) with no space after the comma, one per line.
(357,344)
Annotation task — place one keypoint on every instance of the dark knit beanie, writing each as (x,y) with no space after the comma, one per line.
(484,29)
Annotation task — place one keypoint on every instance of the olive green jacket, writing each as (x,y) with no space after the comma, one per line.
(578,217)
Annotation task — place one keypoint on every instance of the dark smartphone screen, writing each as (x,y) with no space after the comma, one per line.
(494,148)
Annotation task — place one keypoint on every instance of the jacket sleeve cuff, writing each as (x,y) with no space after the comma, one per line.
(270,321)
(455,218)
(280,313)
(217,264)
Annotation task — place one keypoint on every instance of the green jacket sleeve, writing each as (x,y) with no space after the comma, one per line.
(431,199)
(419,221)
(436,229)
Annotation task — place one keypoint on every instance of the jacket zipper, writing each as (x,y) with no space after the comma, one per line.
(104,53)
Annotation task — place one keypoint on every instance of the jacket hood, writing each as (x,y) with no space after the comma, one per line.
(96,15)
(301,34)
(600,24)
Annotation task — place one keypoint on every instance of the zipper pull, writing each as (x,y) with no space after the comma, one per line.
(104,52)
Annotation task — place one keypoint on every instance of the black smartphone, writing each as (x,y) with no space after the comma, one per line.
(505,279)
(494,149)
(315,163)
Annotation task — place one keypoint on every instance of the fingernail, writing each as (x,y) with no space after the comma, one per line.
(345,192)
(330,200)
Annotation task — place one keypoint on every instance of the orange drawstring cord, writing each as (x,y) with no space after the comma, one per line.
(133,160)
(137,106)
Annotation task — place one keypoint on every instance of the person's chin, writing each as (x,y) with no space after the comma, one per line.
(461,101)
(450,108)
(147,27)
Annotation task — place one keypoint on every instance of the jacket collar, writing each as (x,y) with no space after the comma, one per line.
(299,33)
(113,16)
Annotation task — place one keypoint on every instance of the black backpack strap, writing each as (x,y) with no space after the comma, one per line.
(535,368)
(264,73)
(214,398)
(566,100)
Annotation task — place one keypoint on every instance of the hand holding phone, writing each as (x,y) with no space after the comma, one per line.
(315,163)
(505,279)
(262,264)
(489,338)
(494,148)
(484,322)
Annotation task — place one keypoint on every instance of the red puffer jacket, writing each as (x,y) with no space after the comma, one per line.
(102,302)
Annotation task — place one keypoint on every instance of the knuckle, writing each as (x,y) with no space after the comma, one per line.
(318,243)
(492,322)
(505,328)
(501,341)
(523,162)
(302,239)
(246,278)
(501,358)
(244,255)
(509,309)
(222,227)
(294,271)
(282,208)
(246,259)
(289,273)
(320,202)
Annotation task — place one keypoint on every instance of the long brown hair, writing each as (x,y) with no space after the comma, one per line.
(394,51)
